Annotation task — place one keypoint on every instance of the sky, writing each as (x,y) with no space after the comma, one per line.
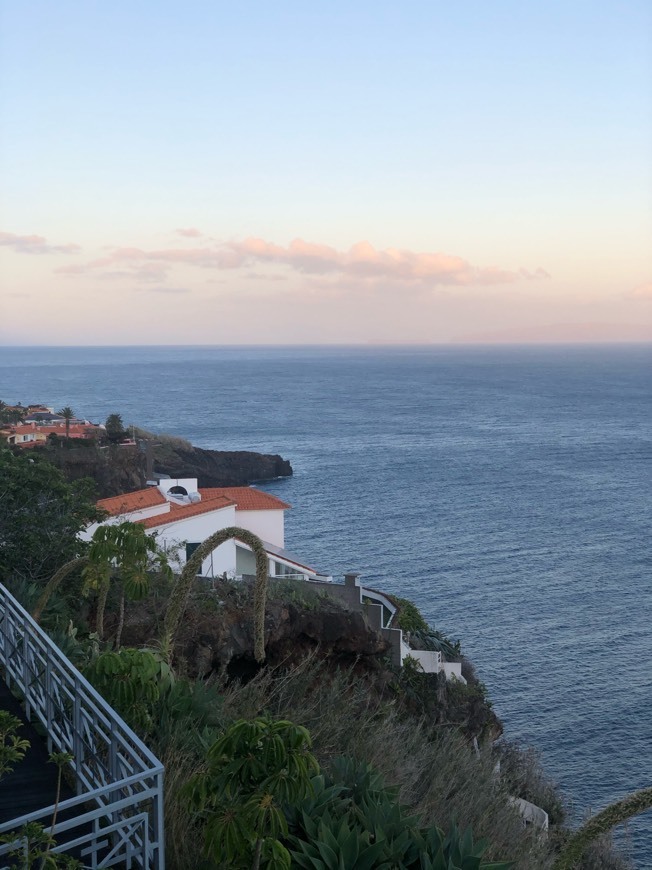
(326,172)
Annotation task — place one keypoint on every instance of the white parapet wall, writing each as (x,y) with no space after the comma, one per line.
(531,813)
(429,661)
(453,671)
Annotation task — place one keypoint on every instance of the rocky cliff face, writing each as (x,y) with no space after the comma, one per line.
(210,643)
(216,637)
(221,468)
(119,469)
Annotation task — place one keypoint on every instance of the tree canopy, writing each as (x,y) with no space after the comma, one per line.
(41,515)
(114,426)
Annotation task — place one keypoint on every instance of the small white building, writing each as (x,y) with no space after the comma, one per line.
(182,516)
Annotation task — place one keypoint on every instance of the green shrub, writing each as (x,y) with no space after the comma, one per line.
(255,769)
(408,616)
(12,747)
(131,681)
(520,768)
(353,820)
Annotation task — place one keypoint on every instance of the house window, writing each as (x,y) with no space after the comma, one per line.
(190,549)
(282,570)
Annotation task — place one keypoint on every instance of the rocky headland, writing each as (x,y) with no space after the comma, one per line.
(120,468)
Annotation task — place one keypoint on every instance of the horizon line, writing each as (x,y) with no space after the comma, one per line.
(366,344)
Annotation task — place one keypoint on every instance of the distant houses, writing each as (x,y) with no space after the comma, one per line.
(32,433)
(31,425)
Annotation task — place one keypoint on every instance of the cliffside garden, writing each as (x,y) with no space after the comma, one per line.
(288,740)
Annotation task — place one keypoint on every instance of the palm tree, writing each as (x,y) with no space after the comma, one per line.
(124,553)
(179,597)
(68,414)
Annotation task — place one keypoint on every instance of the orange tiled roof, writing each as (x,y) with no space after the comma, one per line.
(76,430)
(247,498)
(180,512)
(132,501)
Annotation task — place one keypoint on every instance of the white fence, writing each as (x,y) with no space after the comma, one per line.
(117,816)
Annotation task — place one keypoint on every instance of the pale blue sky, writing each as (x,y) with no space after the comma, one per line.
(509,134)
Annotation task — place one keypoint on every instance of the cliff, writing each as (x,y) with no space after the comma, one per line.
(216,638)
(117,468)
(219,467)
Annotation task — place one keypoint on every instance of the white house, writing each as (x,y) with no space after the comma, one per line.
(182,516)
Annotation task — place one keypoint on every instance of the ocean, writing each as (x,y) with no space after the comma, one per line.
(506,490)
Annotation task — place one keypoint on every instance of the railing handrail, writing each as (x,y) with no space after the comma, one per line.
(76,677)
(119,780)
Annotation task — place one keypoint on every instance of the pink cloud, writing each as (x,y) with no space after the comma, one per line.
(166,290)
(642,293)
(190,233)
(34,245)
(144,274)
(265,276)
(361,263)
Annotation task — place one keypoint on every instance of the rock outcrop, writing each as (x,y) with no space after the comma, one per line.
(120,468)
(216,637)
(211,644)
(220,467)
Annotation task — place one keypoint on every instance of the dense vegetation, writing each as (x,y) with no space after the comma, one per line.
(40,516)
(310,760)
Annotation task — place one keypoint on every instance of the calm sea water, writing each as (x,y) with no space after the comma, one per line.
(506,491)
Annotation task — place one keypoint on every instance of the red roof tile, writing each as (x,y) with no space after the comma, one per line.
(132,501)
(75,430)
(180,512)
(247,498)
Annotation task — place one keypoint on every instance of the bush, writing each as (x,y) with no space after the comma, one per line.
(520,767)
(434,769)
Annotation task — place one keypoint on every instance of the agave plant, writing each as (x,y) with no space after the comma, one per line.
(352,819)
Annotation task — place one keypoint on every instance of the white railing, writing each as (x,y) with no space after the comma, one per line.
(117,816)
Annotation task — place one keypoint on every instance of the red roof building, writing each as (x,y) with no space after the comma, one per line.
(182,516)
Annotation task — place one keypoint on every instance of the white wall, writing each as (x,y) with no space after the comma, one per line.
(131,516)
(88,532)
(192,530)
(429,660)
(268,525)
(196,529)
(453,671)
(245,561)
